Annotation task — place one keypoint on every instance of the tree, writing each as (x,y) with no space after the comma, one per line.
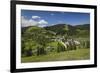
(41,51)
(60,47)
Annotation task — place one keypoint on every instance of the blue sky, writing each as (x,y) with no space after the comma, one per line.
(48,18)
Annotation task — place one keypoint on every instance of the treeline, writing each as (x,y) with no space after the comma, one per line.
(43,50)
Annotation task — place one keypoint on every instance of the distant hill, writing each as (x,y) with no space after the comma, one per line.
(58,28)
(83,30)
(63,29)
(55,30)
(83,27)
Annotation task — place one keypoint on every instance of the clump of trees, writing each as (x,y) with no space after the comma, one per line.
(28,48)
(41,51)
(60,47)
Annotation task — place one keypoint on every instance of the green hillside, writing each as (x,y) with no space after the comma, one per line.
(42,41)
(75,31)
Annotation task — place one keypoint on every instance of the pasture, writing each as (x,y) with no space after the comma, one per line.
(78,54)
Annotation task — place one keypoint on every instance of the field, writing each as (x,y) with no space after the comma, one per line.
(78,54)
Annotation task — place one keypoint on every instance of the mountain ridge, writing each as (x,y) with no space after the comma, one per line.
(62,29)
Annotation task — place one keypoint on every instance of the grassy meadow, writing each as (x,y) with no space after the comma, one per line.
(79,54)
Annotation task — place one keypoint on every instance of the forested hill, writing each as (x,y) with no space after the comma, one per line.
(63,29)
(60,29)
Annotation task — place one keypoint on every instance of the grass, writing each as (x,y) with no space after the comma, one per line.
(79,54)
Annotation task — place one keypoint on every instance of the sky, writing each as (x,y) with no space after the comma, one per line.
(49,18)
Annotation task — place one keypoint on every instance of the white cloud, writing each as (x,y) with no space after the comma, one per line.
(32,22)
(36,17)
(27,22)
(42,23)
